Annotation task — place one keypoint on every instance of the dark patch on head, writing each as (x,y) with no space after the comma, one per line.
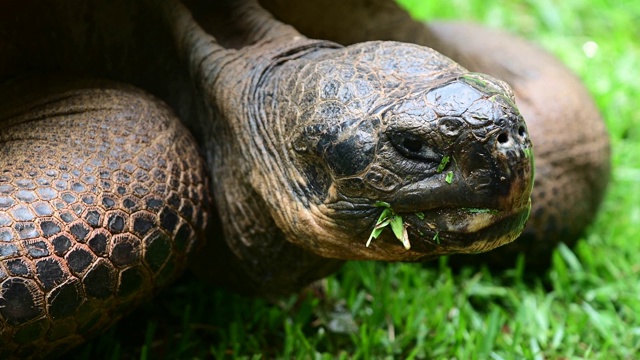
(349,147)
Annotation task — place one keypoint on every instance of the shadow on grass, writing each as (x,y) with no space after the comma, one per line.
(367,309)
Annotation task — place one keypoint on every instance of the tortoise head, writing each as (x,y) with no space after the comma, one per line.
(388,130)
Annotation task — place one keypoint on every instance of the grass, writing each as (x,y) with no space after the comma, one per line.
(586,306)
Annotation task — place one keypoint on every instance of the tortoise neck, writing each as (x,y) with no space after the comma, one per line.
(208,35)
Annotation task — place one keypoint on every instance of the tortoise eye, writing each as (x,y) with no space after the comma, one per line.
(413,147)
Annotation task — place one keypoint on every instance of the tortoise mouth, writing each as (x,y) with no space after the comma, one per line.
(447,231)
(465,230)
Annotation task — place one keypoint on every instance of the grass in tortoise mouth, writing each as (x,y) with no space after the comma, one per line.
(389,218)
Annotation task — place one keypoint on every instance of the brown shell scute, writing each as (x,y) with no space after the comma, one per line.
(97,209)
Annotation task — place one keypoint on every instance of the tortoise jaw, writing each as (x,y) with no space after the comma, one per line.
(451,231)
(467,230)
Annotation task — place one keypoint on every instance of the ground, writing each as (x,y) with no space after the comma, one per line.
(586,306)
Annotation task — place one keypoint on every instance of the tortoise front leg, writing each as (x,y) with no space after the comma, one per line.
(102,197)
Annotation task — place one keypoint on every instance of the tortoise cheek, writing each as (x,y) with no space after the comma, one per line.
(349,156)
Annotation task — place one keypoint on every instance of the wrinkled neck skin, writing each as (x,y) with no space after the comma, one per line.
(270,112)
(267,201)
(228,65)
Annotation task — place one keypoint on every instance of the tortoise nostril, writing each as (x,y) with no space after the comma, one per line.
(522,131)
(412,145)
(503,138)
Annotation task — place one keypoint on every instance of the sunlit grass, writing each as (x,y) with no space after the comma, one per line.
(586,306)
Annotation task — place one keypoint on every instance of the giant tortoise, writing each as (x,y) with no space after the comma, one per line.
(138,132)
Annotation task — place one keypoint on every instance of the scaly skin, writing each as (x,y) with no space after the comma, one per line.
(290,140)
(90,225)
(571,143)
(373,122)
(572,150)
(302,139)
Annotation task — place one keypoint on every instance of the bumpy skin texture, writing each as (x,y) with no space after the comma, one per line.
(571,142)
(394,115)
(572,147)
(302,139)
(286,212)
(89,225)
(374,121)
